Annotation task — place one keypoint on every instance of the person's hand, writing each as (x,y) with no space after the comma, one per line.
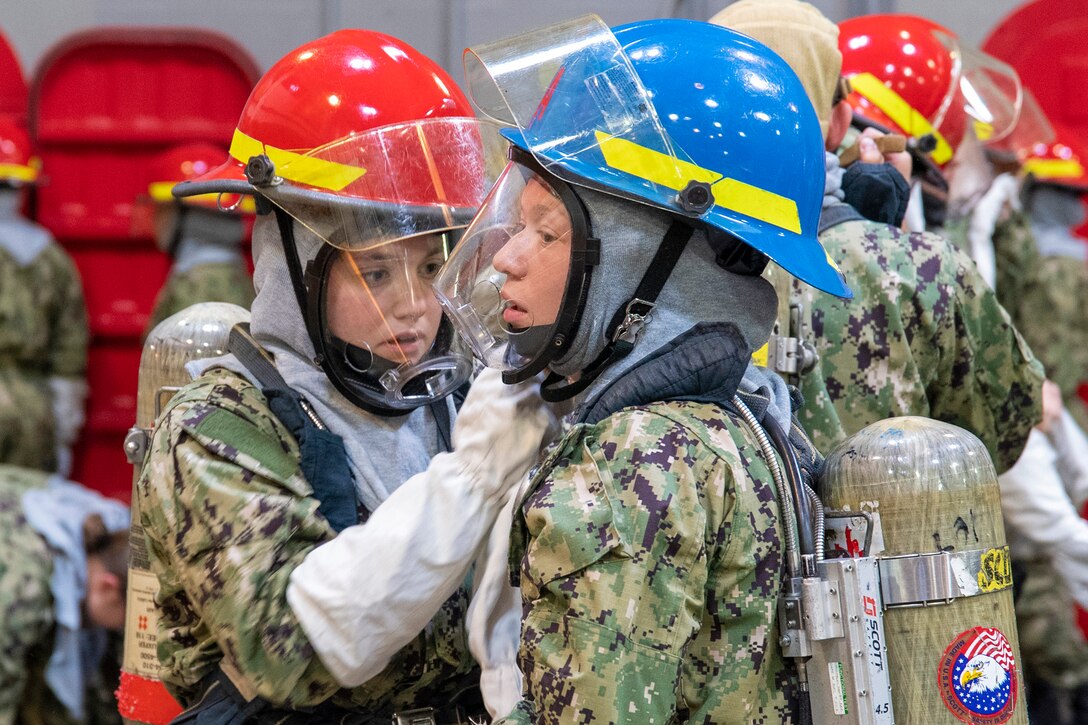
(1052,406)
(500,429)
(870,154)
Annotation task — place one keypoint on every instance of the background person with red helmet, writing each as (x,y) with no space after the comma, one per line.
(202,234)
(43,325)
(1047,535)
(913,76)
(276,604)
(924,334)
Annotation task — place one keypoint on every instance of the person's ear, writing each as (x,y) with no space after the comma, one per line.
(841,115)
(105,599)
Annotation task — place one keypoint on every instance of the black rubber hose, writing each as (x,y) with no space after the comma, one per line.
(781,441)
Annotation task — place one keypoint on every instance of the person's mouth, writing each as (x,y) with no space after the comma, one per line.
(407,342)
(515,315)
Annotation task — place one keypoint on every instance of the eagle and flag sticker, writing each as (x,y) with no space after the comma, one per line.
(977,677)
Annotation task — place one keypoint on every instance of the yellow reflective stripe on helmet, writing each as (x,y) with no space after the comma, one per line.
(1054,168)
(902,113)
(299,168)
(18,172)
(161,191)
(760,356)
(672,173)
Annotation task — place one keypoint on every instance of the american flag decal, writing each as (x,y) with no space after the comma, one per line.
(990,641)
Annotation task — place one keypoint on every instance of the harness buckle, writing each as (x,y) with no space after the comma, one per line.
(635,317)
(418,716)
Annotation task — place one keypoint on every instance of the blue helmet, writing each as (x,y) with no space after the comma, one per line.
(682,115)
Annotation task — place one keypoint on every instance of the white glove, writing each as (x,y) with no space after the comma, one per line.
(1072,447)
(363,596)
(494,616)
(67,406)
(1038,510)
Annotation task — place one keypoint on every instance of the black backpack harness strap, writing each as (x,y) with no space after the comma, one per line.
(324,460)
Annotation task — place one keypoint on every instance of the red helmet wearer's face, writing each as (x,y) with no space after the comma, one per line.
(370,146)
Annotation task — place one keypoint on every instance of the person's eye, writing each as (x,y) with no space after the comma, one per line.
(547,236)
(429,270)
(374,277)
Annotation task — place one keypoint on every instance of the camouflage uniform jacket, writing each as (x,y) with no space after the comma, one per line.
(43,333)
(213,282)
(924,335)
(26,606)
(228,515)
(651,564)
(1034,287)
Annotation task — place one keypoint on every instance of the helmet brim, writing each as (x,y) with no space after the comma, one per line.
(227,178)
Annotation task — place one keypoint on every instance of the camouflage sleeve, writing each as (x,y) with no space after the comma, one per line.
(985,378)
(68,341)
(621,608)
(26,605)
(228,517)
(1057,294)
(1018,263)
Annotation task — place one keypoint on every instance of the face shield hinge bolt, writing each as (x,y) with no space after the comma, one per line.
(697,197)
(559,341)
(260,171)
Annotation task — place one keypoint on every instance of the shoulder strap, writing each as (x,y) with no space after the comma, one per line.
(324,459)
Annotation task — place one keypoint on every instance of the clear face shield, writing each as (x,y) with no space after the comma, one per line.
(1032,129)
(986,92)
(513,285)
(389,206)
(575,98)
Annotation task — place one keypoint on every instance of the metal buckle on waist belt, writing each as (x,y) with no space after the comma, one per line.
(923,580)
(418,716)
(431,716)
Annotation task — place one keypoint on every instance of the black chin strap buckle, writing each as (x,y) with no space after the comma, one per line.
(636,316)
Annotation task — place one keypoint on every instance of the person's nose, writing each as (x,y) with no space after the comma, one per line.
(512,258)
(413,298)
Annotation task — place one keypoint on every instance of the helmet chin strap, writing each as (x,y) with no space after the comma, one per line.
(628,320)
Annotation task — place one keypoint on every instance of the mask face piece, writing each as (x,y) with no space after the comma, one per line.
(387,204)
(511,286)
(383,339)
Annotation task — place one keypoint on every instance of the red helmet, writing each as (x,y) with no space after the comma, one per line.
(18,166)
(345,83)
(364,141)
(1060,162)
(184,163)
(913,76)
